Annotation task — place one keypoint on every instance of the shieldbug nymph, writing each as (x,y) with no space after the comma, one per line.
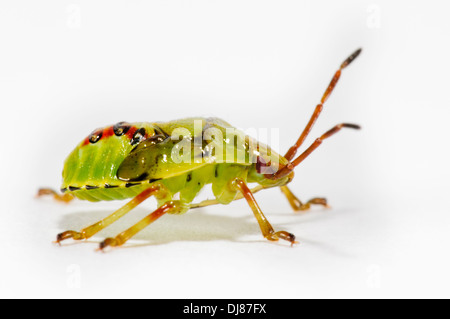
(173,161)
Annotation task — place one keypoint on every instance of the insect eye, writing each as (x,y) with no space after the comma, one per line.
(138,136)
(95,136)
(121,128)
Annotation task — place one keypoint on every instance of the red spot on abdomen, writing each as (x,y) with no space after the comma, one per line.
(131,132)
(109,132)
(86,141)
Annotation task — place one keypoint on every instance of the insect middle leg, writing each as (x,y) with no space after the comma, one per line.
(266,229)
(154,190)
(298,205)
(171,207)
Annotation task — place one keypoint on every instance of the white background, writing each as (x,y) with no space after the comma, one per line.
(67,68)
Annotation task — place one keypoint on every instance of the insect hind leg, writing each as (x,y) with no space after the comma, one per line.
(156,190)
(66,198)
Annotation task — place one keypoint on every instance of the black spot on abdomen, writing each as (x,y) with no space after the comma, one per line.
(95,136)
(138,136)
(121,128)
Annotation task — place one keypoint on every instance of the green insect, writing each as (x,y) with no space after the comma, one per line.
(173,161)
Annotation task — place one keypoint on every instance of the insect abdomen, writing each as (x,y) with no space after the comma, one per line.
(108,192)
(90,169)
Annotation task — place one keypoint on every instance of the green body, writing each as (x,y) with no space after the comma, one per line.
(114,169)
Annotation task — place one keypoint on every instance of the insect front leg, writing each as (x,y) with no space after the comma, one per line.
(157,190)
(171,207)
(66,198)
(297,205)
(266,229)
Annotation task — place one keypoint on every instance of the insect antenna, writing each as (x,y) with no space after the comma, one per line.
(293,150)
(287,169)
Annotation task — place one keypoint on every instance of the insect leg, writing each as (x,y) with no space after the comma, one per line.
(66,198)
(90,231)
(293,150)
(171,207)
(210,202)
(266,229)
(287,169)
(297,205)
